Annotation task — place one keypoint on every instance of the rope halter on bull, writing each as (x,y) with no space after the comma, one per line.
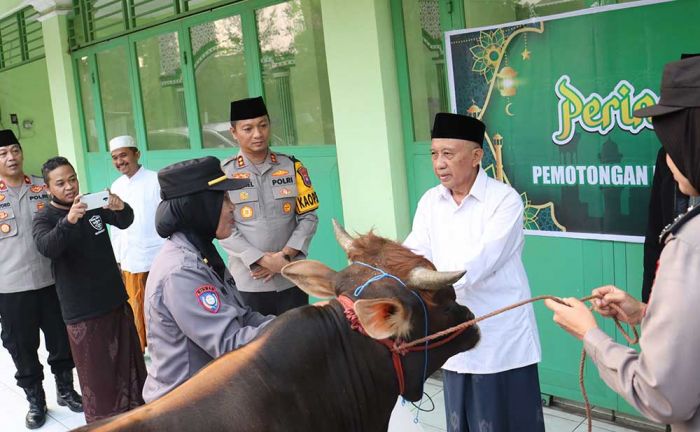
(348,305)
(399,348)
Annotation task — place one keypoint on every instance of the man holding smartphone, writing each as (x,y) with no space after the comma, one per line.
(100,323)
(28,300)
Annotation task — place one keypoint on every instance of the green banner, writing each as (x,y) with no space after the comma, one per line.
(557,96)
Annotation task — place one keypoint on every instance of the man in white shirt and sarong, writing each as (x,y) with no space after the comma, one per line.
(475,223)
(135,247)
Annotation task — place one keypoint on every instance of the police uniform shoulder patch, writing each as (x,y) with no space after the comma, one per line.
(307,200)
(208,298)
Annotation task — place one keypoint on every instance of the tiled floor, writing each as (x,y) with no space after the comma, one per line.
(13,407)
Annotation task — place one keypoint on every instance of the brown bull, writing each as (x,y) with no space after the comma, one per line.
(310,370)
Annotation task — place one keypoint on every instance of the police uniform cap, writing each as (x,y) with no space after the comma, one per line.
(195,175)
(8,138)
(457,126)
(245,109)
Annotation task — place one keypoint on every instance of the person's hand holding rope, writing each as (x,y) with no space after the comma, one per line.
(575,318)
(628,309)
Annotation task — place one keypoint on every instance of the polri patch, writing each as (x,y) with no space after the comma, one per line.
(208,298)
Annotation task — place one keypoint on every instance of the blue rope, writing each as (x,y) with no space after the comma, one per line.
(382,274)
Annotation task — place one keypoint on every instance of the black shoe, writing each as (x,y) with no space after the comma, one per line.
(65,395)
(36,417)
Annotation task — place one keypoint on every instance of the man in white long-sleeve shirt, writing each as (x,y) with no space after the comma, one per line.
(475,223)
(135,247)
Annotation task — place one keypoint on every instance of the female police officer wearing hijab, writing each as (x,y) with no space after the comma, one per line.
(660,380)
(193,310)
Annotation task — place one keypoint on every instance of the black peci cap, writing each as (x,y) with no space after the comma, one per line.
(196,175)
(7,138)
(457,126)
(245,109)
(680,88)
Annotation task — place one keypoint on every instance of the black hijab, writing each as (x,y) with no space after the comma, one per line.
(679,133)
(197,217)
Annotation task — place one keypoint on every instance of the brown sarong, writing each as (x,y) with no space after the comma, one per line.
(135,284)
(110,365)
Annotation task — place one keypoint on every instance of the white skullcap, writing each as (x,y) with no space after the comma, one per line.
(121,142)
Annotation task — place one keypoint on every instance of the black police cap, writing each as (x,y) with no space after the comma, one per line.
(457,126)
(7,138)
(245,109)
(195,175)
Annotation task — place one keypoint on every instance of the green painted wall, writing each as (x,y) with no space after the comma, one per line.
(366,111)
(8,5)
(24,90)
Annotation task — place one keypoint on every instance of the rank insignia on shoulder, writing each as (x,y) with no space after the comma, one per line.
(2,197)
(27,180)
(280,173)
(3,186)
(273,158)
(36,188)
(240,162)
(241,175)
(208,298)
(246,212)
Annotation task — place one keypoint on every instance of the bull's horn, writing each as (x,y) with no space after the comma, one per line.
(344,239)
(423,278)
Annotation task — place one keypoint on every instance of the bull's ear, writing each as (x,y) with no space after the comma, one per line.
(312,277)
(383,318)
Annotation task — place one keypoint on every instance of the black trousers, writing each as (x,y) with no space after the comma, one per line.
(274,302)
(22,314)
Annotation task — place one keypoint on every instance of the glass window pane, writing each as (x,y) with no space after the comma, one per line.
(117,109)
(162,92)
(426,64)
(108,18)
(88,103)
(220,76)
(295,78)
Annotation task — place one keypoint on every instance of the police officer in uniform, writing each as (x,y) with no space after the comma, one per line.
(275,216)
(193,310)
(28,300)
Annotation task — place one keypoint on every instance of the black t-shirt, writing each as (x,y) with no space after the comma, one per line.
(88,281)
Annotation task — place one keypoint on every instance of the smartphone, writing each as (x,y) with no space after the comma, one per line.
(95,200)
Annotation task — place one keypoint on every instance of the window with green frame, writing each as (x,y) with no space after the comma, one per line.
(171,85)
(424,24)
(21,38)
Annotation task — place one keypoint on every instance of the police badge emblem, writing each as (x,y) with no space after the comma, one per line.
(208,298)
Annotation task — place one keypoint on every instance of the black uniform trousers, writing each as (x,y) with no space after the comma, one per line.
(275,302)
(22,314)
